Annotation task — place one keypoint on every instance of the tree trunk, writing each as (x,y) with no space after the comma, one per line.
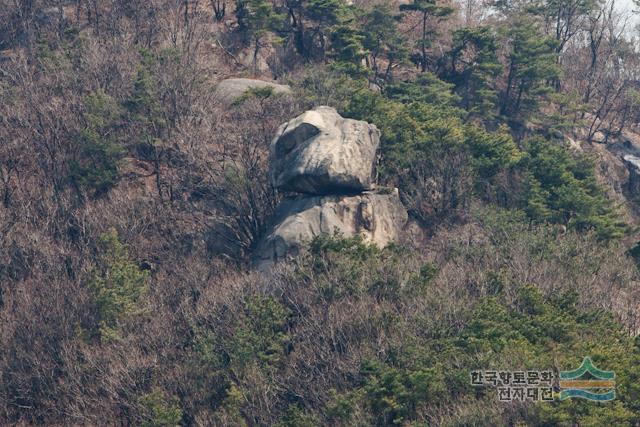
(424,42)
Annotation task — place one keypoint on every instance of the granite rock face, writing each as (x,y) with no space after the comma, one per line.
(330,161)
(633,166)
(377,217)
(320,152)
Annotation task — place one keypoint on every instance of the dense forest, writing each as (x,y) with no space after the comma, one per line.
(133,198)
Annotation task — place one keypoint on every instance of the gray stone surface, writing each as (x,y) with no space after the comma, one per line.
(377,217)
(230,89)
(633,166)
(320,152)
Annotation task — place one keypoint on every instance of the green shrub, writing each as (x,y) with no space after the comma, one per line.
(563,188)
(439,163)
(99,151)
(118,286)
(160,410)
(515,326)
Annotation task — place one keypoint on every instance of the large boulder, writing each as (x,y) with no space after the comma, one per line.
(320,152)
(229,90)
(376,216)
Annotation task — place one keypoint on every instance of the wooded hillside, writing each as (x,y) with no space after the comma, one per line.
(135,192)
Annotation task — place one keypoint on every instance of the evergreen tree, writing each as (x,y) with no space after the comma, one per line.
(159,409)
(427,88)
(563,19)
(256,19)
(563,189)
(95,167)
(118,285)
(382,41)
(333,20)
(426,9)
(532,66)
(310,22)
(474,68)
(147,120)
(326,12)
(347,49)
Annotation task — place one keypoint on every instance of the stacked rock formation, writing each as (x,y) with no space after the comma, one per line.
(329,161)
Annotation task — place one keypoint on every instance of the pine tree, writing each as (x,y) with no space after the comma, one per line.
(347,49)
(532,67)
(564,189)
(95,166)
(118,286)
(310,22)
(334,21)
(382,41)
(474,69)
(148,121)
(143,105)
(257,18)
(426,9)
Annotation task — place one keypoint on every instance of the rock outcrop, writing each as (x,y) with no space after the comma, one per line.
(330,160)
(376,217)
(320,152)
(620,163)
(633,166)
(229,90)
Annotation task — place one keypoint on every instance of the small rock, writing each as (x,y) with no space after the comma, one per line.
(229,90)
(599,137)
